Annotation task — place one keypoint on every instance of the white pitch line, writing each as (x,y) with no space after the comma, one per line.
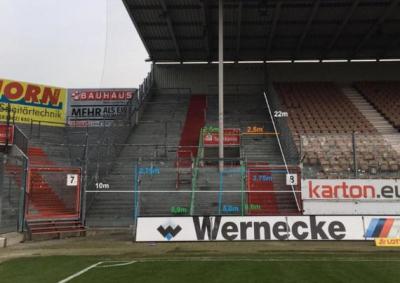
(207,259)
(97,265)
(267,260)
(123,263)
(79,273)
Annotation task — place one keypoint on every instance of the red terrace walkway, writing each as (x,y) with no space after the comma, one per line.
(259,178)
(195,121)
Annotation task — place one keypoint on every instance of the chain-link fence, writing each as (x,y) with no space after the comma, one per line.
(153,180)
(13,168)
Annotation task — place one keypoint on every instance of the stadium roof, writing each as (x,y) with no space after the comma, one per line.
(187,30)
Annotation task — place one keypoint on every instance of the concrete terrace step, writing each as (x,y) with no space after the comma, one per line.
(390,134)
(161,123)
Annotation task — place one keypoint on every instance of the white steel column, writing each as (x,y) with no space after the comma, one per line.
(221,84)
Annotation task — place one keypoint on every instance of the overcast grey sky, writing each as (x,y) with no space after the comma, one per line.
(70,43)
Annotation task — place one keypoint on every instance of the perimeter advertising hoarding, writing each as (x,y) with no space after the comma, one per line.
(382,227)
(358,196)
(258,228)
(97,107)
(387,242)
(33,103)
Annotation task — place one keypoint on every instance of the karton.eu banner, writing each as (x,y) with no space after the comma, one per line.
(357,189)
(257,228)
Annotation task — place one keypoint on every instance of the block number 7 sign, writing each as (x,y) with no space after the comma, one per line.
(72,180)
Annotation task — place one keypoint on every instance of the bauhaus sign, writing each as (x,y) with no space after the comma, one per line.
(257,228)
(33,102)
(98,107)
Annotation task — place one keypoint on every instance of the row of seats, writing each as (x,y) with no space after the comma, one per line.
(373,154)
(315,107)
(322,120)
(385,97)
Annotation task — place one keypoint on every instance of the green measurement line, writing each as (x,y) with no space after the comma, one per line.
(242,179)
(195,172)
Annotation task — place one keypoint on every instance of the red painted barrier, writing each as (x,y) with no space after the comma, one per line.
(3,134)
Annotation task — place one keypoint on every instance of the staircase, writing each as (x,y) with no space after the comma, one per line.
(259,178)
(37,157)
(209,199)
(389,133)
(195,121)
(45,202)
(47,214)
(262,148)
(247,111)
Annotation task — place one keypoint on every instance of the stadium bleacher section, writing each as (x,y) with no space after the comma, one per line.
(138,162)
(328,128)
(385,97)
(153,142)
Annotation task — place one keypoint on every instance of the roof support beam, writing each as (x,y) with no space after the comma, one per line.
(239,28)
(307,27)
(341,28)
(275,21)
(171,28)
(373,29)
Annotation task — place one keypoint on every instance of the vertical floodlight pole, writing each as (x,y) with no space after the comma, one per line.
(221,84)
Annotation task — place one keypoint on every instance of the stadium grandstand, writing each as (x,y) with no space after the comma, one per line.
(252,108)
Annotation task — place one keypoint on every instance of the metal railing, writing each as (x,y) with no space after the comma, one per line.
(350,156)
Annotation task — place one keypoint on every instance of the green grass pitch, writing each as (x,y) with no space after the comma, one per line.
(282,268)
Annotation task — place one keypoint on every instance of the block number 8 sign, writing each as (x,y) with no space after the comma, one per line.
(291,179)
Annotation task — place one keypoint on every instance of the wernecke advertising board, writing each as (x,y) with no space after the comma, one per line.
(267,228)
(33,102)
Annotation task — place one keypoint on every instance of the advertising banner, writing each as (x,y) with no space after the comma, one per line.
(3,134)
(32,102)
(382,227)
(98,107)
(387,242)
(257,228)
(231,137)
(357,189)
(351,207)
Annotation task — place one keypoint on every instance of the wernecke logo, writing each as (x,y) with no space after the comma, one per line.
(30,95)
(169,232)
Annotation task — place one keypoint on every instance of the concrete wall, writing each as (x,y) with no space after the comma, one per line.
(337,72)
(203,79)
